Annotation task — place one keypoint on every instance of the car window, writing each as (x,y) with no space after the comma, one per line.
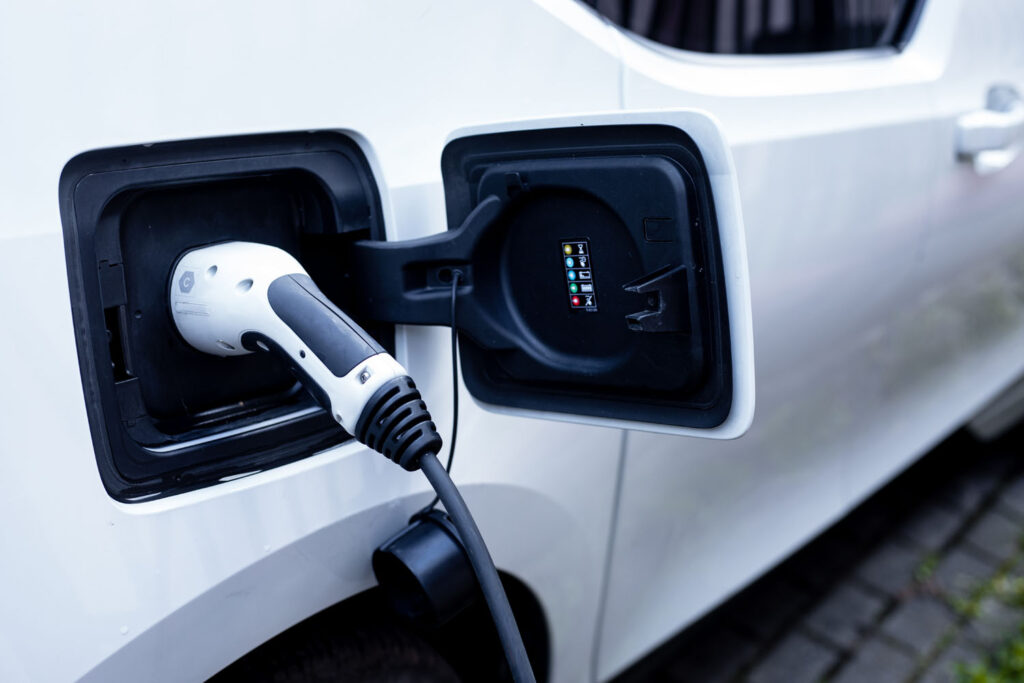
(765,26)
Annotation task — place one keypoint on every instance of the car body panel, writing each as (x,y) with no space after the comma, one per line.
(177,588)
(865,300)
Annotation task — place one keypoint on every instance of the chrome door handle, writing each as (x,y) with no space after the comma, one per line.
(992,137)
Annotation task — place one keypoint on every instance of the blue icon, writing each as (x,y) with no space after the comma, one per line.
(569,262)
(571,275)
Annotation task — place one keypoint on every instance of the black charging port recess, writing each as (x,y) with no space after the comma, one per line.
(164,416)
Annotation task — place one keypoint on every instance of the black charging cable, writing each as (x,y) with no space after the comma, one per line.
(456,275)
(396,422)
(472,541)
(483,567)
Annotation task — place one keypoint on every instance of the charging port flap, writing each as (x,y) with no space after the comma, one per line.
(603,273)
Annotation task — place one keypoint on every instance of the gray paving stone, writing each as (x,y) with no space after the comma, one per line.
(931,526)
(774,632)
(715,657)
(890,568)
(996,535)
(919,624)
(944,668)
(961,571)
(876,662)
(996,621)
(795,659)
(844,614)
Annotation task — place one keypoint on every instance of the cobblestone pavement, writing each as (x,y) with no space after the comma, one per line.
(927,573)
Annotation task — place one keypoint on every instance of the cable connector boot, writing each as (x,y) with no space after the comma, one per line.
(396,422)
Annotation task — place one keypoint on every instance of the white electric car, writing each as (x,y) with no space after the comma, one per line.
(821,200)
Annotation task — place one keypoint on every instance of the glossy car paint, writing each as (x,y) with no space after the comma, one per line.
(858,217)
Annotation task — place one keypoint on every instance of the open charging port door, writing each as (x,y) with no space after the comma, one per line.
(602,272)
(602,279)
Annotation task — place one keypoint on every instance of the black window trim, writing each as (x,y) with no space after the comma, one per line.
(895,38)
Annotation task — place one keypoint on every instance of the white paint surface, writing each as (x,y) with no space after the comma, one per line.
(885,283)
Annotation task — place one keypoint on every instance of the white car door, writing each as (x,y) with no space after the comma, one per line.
(885,283)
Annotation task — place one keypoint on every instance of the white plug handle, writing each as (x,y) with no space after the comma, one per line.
(234,298)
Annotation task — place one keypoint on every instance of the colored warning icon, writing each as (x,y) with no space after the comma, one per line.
(579,275)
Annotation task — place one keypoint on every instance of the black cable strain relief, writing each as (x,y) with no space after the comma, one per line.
(396,423)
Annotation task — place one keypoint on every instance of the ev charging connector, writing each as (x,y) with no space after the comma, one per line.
(239,297)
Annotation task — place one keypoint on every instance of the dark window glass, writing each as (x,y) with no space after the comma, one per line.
(765,26)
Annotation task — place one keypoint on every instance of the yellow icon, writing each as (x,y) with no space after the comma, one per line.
(567,249)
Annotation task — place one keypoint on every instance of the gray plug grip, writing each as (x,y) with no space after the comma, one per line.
(332,336)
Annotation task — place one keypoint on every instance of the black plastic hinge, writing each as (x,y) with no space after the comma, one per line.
(410,282)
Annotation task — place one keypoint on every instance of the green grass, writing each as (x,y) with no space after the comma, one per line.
(926,568)
(1005,666)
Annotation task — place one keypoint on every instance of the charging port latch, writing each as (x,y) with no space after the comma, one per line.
(667,298)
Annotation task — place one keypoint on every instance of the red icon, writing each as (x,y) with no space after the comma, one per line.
(575,301)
